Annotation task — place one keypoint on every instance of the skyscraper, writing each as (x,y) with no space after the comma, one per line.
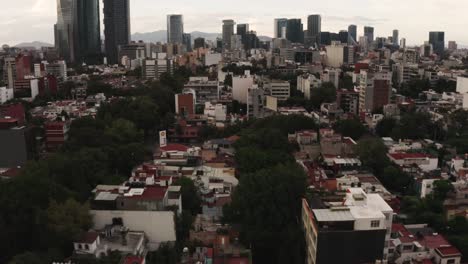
(242,30)
(175,29)
(437,39)
(344,36)
(352,34)
(369,33)
(87,31)
(395,37)
(314,27)
(228,31)
(187,41)
(294,30)
(280,27)
(116,27)
(64,34)
(199,43)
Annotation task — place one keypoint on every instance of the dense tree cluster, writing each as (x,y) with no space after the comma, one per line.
(266,203)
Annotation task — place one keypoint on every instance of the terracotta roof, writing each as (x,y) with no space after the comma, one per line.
(88,238)
(174,147)
(400,156)
(150,193)
(433,242)
(448,251)
(133,260)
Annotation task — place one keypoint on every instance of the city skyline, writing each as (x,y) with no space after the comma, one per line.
(20,19)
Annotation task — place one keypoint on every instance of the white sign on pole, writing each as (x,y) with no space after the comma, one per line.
(162,138)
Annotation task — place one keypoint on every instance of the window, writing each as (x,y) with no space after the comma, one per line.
(451,261)
(375,223)
(390,251)
(86,246)
(80,246)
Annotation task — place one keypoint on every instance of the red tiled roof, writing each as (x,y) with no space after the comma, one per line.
(448,251)
(400,156)
(88,238)
(233,138)
(150,193)
(133,260)
(174,147)
(427,261)
(432,241)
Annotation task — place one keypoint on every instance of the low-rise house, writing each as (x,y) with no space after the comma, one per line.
(425,162)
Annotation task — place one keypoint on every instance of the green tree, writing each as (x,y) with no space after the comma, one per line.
(324,94)
(190,198)
(372,153)
(385,127)
(27,258)
(350,128)
(267,204)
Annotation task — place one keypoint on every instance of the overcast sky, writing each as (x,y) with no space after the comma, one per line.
(28,20)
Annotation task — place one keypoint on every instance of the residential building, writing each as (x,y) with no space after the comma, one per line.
(375,90)
(424,161)
(57,69)
(241,86)
(332,76)
(335,55)
(204,90)
(307,83)
(6,94)
(185,104)
(16,141)
(153,68)
(348,101)
(9,72)
(357,222)
(117,27)
(462,84)
(255,102)
(56,133)
(279,89)
(175,29)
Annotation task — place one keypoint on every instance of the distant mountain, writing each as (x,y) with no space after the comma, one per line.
(35,44)
(161,36)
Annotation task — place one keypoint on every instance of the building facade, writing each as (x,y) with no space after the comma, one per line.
(116,27)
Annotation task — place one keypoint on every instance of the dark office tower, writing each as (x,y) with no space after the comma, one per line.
(187,41)
(175,29)
(280,27)
(437,39)
(251,40)
(294,31)
(228,32)
(116,27)
(88,32)
(199,43)
(352,34)
(325,38)
(314,27)
(369,33)
(64,31)
(395,37)
(343,36)
(242,30)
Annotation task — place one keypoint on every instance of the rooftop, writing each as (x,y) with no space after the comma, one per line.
(400,156)
(331,215)
(88,237)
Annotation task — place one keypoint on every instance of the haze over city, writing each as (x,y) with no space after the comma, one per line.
(29,20)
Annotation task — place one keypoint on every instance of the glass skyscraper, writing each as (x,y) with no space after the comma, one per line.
(314,27)
(437,39)
(280,27)
(64,34)
(116,27)
(352,34)
(294,31)
(175,29)
(87,31)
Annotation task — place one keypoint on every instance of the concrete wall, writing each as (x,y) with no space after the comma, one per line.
(158,226)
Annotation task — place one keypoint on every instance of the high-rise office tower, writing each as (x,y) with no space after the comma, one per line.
(64,31)
(294,30)
(437,39)
(280,27)
(395,37)
(369,33)
(314,27)
(116,27)
(242,30)
(403,43)
(87,31)
(352,34)
(228,31)
(175,29)
(187,41)
(343,34)
(199,43)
